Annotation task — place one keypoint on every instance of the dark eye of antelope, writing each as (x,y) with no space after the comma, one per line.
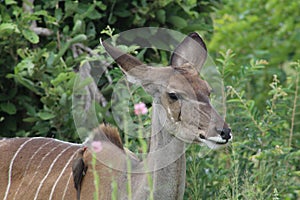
(173,96)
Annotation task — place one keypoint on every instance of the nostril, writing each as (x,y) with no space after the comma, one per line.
(225,133)
(202,136)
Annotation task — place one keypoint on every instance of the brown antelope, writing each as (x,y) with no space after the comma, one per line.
(41,168)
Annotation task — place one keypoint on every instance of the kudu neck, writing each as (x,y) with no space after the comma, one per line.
(167,156)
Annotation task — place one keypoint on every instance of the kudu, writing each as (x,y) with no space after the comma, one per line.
(41,168)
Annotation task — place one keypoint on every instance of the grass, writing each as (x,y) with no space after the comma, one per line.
(263,160)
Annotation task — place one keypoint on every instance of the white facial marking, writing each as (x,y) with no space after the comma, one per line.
(210,144)
(217,139)
(170,113)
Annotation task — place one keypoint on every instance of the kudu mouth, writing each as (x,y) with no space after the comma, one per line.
(222,139)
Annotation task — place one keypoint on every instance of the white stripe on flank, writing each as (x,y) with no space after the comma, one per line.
(27,166)
(49,170)
(61,173)
(69,143)
(37,169)
(11,166)
(66,188)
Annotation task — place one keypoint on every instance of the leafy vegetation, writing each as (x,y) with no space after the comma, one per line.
(39,65)
(262,163)
(268,30)
(254,43)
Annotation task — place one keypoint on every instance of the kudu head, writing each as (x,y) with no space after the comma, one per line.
(179,89)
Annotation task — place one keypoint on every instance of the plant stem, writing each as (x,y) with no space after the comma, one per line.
(294,105)
(96,177)
(246,108)
(144,151)
(128,162)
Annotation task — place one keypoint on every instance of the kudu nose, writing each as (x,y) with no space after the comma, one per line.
(225,133)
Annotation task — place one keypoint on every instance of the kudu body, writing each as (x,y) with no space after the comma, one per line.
(41,168)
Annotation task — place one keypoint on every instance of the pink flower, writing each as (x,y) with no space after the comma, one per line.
(140,109)
(96,146)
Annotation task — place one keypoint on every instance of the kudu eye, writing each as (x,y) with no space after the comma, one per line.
(173,96)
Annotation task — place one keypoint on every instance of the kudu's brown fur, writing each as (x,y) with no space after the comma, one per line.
(41,168)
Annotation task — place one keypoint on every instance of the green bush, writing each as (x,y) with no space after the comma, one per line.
(262,162)
(38,69)
(262,92)
(38,72)
(255,29)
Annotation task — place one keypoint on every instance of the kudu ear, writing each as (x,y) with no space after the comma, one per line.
(126,61)
(191,50)
(138,72)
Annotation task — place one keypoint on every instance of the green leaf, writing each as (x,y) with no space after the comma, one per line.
(234,101)
(30,119)
(122,13)
(100,5)
(31,36)
(94,15)
(46,115)
(91,30)
(60,78)
(9,108)
(8,28)
(10,2)
(70,8)
(58,14)
(161,16)
(78,38)
(25,82)
(178,22)
(77,27)
(26,65)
